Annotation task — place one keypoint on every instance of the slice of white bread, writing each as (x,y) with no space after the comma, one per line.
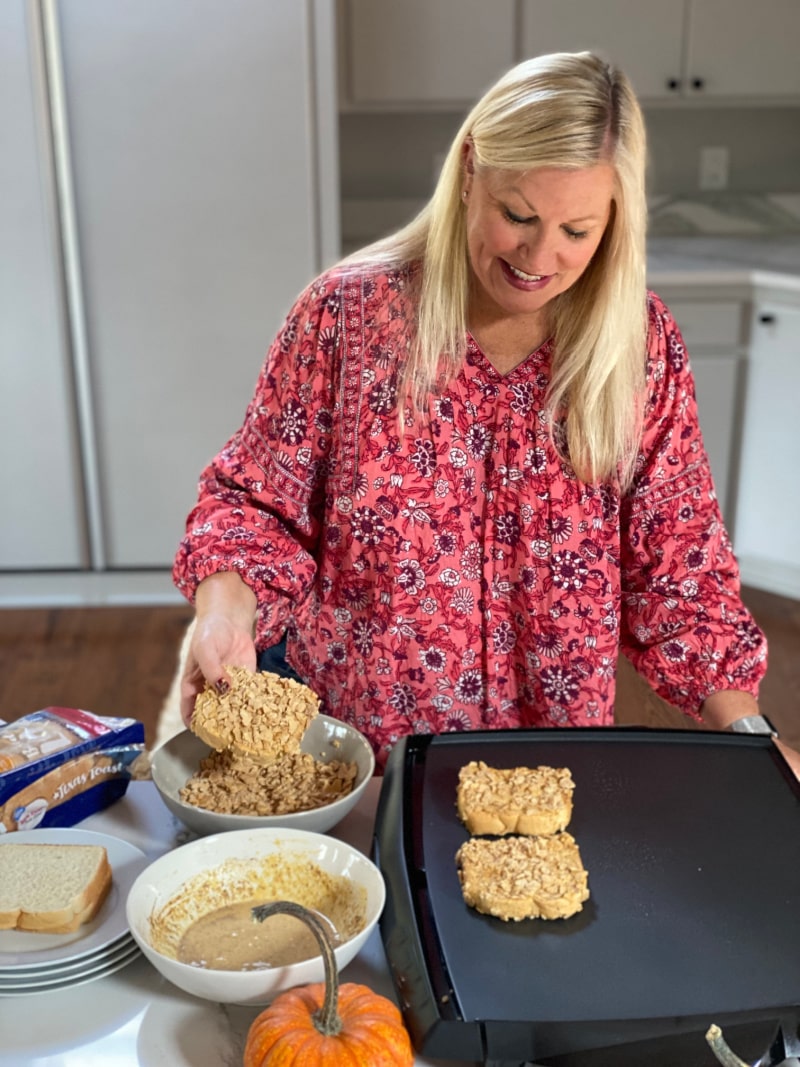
(517,878)
(521,800)
(52,888)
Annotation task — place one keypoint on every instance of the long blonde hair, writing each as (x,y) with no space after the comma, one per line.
(567,110)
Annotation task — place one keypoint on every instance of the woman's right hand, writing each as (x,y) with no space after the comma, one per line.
(223,636)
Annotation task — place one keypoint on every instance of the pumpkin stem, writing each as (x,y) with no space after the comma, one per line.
(721,1049)
(326,1020)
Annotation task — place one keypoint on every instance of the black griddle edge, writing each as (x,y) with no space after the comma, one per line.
(427,1002)
(430,1008)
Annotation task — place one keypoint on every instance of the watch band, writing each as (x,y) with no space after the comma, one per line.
(753,724)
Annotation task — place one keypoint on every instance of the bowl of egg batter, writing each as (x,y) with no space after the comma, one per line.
(190,911)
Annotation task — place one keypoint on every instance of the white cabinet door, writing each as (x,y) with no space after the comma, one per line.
(741,48)
(717,386)
(678,48)
(643,37)
(192,129)
(424,51)
(713,330)
(768,527)
(42,523)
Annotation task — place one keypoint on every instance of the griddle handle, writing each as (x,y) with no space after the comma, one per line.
(785,1048)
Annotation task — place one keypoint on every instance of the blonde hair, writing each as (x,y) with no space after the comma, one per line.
(568,110)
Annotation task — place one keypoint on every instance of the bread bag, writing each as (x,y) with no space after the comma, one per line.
(59,765)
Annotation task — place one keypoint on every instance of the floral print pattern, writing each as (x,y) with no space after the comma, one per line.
(450,572)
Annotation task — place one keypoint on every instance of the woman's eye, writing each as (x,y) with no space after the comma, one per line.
(517,219)
(520,220)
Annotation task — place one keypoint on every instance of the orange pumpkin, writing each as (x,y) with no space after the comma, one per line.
(325,1025)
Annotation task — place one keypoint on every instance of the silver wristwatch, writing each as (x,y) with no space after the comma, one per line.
(753,724)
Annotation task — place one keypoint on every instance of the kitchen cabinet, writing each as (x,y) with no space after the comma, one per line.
(743,49)
(678,49)
(713,331)
(195,149)
(445,53)
(768,523)
(742,337)
(193,160)
(422,52)
(42,525)
(645,37)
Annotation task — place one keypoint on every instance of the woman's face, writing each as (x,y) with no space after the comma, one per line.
(531,235)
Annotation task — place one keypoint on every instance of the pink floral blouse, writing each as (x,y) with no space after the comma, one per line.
(457,575)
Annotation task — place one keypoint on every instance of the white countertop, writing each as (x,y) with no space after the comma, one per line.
(137,1017)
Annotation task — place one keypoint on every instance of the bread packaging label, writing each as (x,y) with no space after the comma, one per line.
(59,765)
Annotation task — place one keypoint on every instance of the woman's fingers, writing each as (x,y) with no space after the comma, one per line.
(216,643)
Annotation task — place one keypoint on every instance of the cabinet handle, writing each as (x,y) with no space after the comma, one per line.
(766,319)
(674,84)
(698,83)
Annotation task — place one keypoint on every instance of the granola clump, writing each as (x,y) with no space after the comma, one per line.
(262,715)
(257,767)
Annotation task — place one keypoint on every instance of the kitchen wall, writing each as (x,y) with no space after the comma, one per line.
(393,155)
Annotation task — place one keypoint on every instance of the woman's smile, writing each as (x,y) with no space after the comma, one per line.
(522,280)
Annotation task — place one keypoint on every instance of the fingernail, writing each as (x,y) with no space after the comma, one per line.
(221,686)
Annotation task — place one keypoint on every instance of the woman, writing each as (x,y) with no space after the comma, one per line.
(472,471)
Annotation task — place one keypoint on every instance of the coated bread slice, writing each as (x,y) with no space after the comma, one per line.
(517,878)
(520,800)
(262,716)
(52,889)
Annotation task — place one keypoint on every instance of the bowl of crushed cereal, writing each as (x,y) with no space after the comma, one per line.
(191,911)
(313,788)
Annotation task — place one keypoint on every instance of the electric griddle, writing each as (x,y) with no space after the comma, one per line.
(692,844)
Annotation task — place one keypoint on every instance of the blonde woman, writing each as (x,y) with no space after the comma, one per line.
(472,470)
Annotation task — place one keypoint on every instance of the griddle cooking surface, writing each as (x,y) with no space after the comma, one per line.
(692,844)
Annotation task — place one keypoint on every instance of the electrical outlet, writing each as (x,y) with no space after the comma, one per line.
(714,164)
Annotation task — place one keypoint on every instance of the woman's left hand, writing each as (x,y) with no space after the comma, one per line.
(790,755)
(727,705)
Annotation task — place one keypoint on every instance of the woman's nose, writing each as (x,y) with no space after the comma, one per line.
(537,250)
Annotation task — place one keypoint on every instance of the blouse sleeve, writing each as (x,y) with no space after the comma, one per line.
(259,502)
(684,626)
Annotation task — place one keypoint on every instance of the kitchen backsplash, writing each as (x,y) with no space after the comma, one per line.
(726,214)
(389,163)
(715,214)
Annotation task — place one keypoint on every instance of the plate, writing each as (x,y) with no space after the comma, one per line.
(26,980)
(76,1018)
(13,975)
(81,979)
(21,949)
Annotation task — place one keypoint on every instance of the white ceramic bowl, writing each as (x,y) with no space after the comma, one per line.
(326,739)
(164,879)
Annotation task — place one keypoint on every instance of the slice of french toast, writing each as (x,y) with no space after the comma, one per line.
(517,878)
(519,800)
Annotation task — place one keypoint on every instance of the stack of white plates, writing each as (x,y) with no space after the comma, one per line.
(41,962)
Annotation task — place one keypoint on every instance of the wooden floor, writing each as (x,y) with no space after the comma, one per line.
(121,660)
(110,660)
